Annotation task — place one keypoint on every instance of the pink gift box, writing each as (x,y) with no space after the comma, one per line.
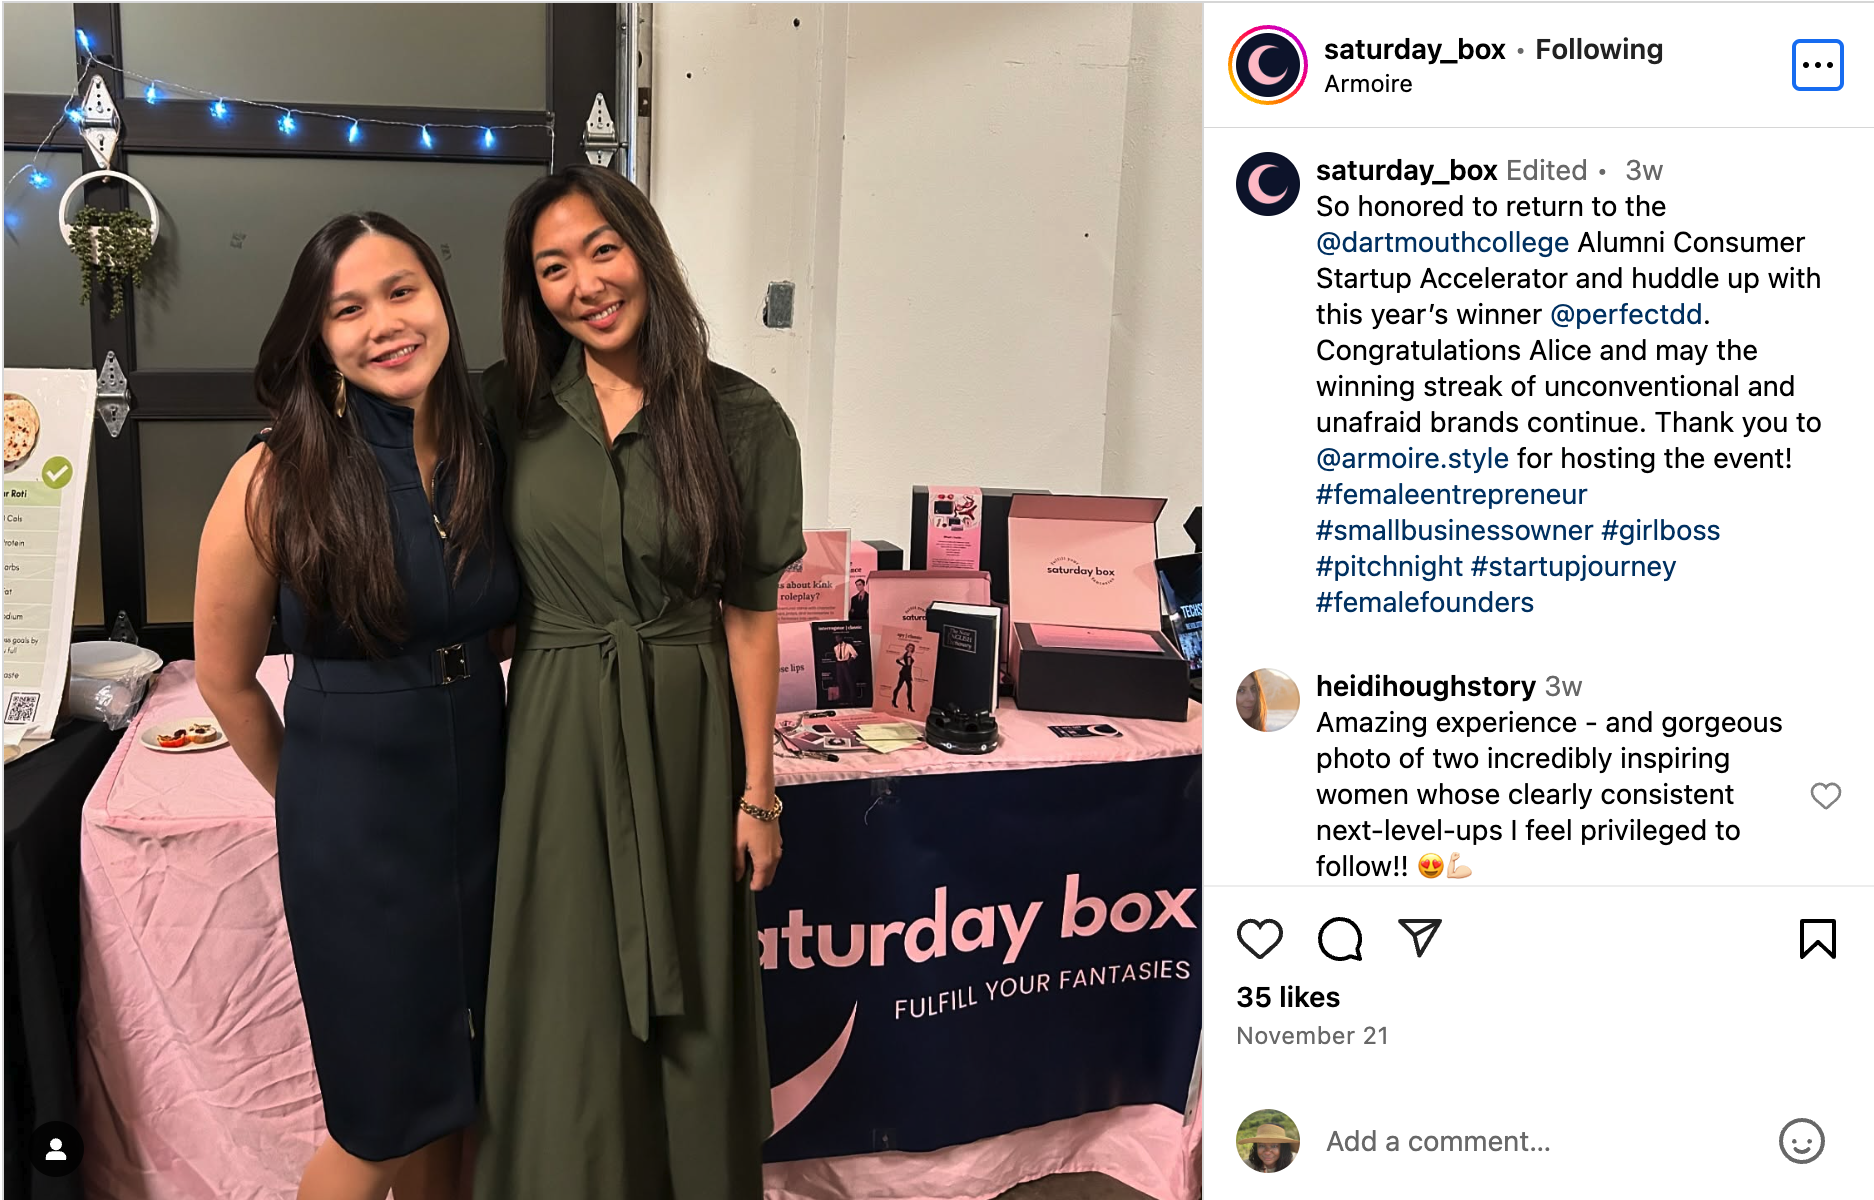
(1090,562)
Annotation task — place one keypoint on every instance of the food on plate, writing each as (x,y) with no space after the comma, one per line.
(169,741)
(202,733)
(22,427)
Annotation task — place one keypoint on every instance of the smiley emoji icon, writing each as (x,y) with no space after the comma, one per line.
(1801,1141)
(1431,866)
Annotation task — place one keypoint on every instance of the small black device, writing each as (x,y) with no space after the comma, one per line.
(955,731)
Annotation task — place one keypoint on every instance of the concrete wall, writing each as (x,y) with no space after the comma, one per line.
(991,217)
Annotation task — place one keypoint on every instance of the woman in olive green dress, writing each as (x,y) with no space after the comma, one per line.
(653,500)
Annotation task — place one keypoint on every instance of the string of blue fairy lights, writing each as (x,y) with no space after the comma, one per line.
(222,109)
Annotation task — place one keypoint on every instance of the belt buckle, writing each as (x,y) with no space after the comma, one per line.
(452,663)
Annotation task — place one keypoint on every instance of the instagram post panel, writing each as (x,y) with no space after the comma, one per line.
(607,601)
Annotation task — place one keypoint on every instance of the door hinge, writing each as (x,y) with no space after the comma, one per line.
(113,398)
(600,141)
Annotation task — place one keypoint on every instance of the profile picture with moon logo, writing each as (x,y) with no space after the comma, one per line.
(1267,184)
(1268,64)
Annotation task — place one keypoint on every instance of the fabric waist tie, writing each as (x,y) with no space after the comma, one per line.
(642,909)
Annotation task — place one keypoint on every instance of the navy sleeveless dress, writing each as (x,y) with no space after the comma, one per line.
(388,809)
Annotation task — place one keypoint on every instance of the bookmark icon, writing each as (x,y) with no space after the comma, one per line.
(1423,930)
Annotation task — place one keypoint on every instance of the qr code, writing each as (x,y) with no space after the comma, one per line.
(22,708)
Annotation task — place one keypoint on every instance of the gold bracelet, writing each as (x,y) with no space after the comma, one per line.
(762,814)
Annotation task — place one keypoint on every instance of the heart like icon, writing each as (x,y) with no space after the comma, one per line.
(1252,939)
(1825,794)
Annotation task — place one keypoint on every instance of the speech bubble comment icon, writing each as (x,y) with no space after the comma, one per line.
(1339,939)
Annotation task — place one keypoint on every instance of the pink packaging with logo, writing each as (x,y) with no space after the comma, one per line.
(1084,560)
(1084,599)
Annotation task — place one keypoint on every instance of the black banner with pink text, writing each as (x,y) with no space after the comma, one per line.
(947,958)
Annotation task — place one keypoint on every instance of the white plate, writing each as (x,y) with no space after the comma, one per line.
(155,730)
(109,660)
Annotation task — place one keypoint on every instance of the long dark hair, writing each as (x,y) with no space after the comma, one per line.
(694,479)
(1286,1157)
(318,512)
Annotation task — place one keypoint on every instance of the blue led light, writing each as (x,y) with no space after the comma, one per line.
(219,110)
(429,143)
(488,139)
(39,179)
(77,117)
(150,94)
(287,124)
(84,41)
(353,135)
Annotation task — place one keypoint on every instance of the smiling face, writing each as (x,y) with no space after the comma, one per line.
(1268,1154)
(385,326)
(588,278)
(1802,1141)
(1431,866)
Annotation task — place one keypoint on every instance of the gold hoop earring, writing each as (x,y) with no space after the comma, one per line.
(338,402)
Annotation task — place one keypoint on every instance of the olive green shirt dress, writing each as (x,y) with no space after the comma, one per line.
(625,1050)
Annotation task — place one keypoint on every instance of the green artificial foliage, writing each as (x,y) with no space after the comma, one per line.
(112,249)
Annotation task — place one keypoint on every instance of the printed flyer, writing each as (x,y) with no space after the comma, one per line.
(813,588)
(956,529)
(48,453)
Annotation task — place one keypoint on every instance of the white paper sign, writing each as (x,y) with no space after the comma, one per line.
(48,454)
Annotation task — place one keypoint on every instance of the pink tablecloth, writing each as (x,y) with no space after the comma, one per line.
(1025,743)
(195,1073)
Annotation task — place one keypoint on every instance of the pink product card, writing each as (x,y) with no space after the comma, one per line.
(1079,637)
(796,692)
(814,587)
(904,652)
(956,529)
(864,562)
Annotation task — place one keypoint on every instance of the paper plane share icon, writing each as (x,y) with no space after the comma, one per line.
(1423,930)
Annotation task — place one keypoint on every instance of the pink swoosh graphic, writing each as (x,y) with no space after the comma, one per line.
(790,1099)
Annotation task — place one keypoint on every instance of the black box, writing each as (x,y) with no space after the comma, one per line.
(1101,683)
(890,555)
(995,534)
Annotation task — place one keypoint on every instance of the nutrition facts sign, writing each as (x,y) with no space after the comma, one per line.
(48,451)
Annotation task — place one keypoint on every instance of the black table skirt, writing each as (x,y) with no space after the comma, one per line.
(45,796)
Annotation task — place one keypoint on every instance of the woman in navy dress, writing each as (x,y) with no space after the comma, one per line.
(366,521)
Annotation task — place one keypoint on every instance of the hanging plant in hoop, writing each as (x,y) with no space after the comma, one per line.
(112,247)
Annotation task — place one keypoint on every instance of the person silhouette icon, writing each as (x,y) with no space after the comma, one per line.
(55,1149)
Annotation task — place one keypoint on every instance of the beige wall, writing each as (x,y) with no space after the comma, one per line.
(991,216)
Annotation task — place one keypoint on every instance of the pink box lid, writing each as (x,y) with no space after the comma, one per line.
(1084,560)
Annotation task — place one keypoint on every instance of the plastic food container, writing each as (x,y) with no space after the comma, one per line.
(109,680)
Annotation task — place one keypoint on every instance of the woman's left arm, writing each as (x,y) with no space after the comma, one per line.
(755,667)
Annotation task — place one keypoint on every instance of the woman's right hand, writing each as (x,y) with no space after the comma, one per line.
(759,842)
